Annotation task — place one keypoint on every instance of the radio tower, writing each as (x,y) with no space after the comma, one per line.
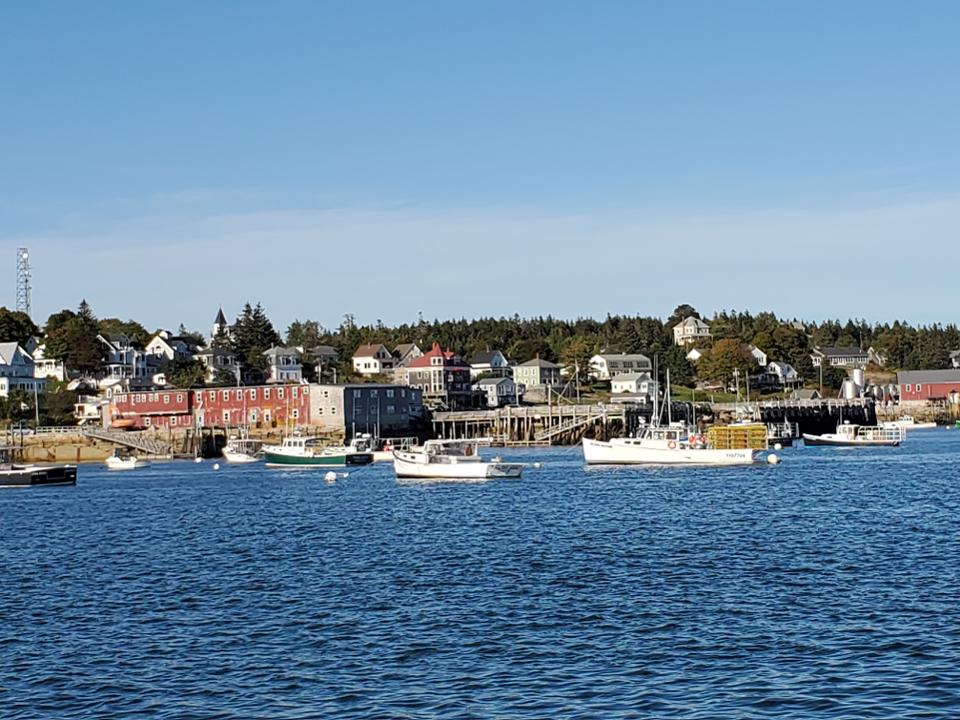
(23,281)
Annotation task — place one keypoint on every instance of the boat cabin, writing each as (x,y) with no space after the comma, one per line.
(452,448)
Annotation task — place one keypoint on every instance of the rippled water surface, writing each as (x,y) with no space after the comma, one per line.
(825,587)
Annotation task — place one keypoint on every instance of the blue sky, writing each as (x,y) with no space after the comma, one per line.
(465,159)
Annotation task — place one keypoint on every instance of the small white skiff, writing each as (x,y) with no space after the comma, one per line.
(451,460)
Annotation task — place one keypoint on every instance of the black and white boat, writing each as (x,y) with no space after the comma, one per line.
(14,474)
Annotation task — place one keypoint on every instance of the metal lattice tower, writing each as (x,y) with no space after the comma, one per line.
(23,281)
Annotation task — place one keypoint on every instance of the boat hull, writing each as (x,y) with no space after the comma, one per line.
(597,452)
(275,459)
(236,457)
(816,440)
(38,475)
(126,464)
(473,470)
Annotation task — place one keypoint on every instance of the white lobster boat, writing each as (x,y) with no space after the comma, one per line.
(663,445)
(451,460)
(850,435)
(124,460)
(907,422)
(242,450)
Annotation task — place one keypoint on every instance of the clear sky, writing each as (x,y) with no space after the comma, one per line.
(482,158)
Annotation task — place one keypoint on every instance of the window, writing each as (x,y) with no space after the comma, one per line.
(226,416)
(253,394)
(253,415)
(226,395)
(213,395)
(918,387)
(390,393)
(357,394)
(907,387)
(179,397)
(266,416)
(173,422)
(166,399)
(239,394)
(319,411)
(333,411)
(295,414)
(294,392)
(279,393)
(266,393)
(373,393)
(391,409)
(146,421)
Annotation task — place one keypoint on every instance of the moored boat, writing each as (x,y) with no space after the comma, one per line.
(666,445)
(852,435)
(451,460)
(242,450)
(907,422)
(298,451)
(124,460)
(28,475)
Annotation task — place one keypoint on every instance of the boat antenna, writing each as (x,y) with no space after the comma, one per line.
(669,403)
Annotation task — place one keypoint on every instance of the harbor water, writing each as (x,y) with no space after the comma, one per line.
(827,586)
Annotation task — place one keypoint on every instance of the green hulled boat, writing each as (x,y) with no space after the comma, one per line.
(296,451)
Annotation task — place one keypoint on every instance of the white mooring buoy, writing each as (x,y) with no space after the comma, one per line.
(216,466)
(198,459)
(773,459)
(778,446)
(537,465)
(330,477)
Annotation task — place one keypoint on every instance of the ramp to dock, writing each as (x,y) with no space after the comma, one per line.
(129,439)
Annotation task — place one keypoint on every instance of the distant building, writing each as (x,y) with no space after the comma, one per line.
(759,355)
(284,365)
(17,371)
(845,357)
(125,363)
(443,377)
(636,383)
(537,373)
(406,353)
(218,359)
(785,374)
(373,359)
(694,355)
(690,330)
(929,385)
(489,362)
(44,367)
(220,326)
(955,358)
(171,347)
(497,391)
(605,367)
(804,394)
(379,409)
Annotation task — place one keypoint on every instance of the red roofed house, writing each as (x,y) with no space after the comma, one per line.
(443,377)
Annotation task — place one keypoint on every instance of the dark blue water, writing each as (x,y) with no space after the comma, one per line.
(825,587)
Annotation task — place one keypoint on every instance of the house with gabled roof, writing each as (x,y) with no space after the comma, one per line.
(690,330)
(489,362)
(845,357)
(17,370)
(284,365)
(607,366)
(406,353)
(373,359)
(537,373)
(443,377)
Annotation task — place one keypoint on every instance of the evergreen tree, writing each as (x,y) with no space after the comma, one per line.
(251,335)
(16,326)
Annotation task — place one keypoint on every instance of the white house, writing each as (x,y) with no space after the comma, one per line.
(284,365)
(636,383)
(171,347)
(785,374)
(125,362)
(690,330)
(489,362)
(759,355)
(43,367)
(373,359)
(846,357)
(499,391)
(605,367)
(17,371)
(955,358)
(537,373)
(694,355)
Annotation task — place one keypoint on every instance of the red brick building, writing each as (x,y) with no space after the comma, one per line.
(258,406)
(929,385)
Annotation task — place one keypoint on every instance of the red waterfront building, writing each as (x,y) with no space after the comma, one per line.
(929,385)
(258,406)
